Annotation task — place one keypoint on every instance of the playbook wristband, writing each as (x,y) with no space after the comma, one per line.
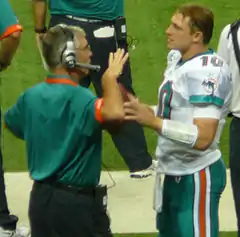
(185,134)
(41,31)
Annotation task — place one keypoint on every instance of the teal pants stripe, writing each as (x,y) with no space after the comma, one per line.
(191,203)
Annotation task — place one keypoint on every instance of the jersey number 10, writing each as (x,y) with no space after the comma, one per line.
(165,98)
(216,62)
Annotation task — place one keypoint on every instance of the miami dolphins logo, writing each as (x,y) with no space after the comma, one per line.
(210,85)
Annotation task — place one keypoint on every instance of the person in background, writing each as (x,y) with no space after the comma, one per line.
(105,27)
(229,50)
(10,35)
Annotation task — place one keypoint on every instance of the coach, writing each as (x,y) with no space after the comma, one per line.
(61,123)
(105,28)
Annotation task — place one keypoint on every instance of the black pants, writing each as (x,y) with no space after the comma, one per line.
(7,221)
(235,165)
(130,140)
(58,212)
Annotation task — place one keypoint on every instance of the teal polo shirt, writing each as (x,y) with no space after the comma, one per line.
(8,21)
(57,119)
(92,9)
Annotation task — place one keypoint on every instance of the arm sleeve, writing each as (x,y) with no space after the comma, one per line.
(223,44)
(208,111)
(14,118)
(208,87)
(8,21)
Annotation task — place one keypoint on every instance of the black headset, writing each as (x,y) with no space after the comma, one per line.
(68,55)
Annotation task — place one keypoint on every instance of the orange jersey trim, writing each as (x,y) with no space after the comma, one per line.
(61,81)
(98,110)
(10,30)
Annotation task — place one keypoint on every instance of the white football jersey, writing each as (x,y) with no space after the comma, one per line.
(226,51)
(198,84)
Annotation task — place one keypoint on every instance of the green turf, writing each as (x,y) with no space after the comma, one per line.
(147,21)
(222,234)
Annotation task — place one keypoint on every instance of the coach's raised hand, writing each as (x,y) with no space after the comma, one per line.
(116,62)
(112,97)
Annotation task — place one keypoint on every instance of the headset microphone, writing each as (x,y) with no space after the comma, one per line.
(91,67)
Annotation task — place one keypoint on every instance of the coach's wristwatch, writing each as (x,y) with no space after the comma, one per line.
(3,66)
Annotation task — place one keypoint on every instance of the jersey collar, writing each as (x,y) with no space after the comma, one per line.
(60,79)
(209,51)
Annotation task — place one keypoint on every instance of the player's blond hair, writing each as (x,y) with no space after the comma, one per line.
(200,19)
(54,43)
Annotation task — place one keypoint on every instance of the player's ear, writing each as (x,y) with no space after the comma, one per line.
(197,36)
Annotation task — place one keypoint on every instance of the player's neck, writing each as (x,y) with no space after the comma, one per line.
(194,51)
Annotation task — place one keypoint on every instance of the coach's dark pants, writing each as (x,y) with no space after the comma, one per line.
(58,212)
(130,141)
(7,221)
(235,165)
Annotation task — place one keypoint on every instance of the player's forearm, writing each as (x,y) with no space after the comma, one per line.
(113,103)
(156,124)
(8,48)
(39,13)
(153,108)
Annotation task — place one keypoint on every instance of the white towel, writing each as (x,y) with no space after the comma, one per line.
(39,46)
(158,194)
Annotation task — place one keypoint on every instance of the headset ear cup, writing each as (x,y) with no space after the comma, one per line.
(68,57)
(70,60)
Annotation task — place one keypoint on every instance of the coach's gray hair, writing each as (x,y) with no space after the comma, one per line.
(54,42)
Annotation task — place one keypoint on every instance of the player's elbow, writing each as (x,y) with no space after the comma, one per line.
(202,146)
(207,130)
(203,143)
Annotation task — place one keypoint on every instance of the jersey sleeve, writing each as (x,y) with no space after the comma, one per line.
(14,118)
(173,57)
(209,85)
(90,119)
(8,21)
(88,110)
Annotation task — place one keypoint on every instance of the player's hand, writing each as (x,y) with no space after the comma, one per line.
(134,110)
(116,63)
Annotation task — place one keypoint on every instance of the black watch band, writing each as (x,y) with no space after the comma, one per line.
(41,31)
(3,65)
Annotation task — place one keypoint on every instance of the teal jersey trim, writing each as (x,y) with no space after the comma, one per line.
(206,99)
